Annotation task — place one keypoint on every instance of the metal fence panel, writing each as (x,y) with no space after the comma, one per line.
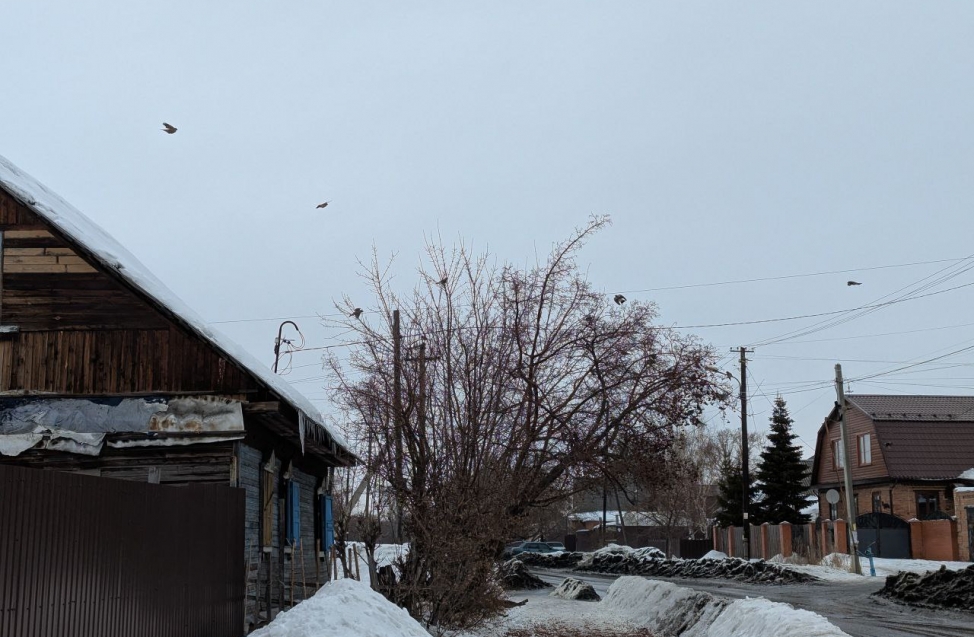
(87,556)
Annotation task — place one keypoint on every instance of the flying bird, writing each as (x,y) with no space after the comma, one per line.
(850,283)
(356,313)
(619,299)
(323,205)
(169,128)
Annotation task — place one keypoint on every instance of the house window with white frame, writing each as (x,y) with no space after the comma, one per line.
(865,449)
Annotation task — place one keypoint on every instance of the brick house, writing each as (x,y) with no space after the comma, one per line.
(907,456)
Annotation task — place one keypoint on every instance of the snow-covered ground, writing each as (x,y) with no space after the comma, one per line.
(635,602)
(385,555)
(837,567)
(344,608)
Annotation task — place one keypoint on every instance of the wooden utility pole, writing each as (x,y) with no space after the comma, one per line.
(745,456)
(847,473)
(397,415)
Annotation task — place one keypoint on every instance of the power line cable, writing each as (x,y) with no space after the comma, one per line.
(787,276)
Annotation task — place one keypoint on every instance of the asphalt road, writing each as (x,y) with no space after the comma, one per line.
(850,606)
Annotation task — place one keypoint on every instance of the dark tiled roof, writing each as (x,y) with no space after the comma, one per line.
(926,451)
(915,408)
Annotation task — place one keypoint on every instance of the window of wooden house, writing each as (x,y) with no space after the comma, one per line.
(865,449)
(928,503)
(877,502)
(838,454)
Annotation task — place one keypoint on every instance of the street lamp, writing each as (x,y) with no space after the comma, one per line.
(279,340)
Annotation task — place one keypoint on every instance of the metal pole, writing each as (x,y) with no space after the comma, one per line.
(847,473)
(277,341)
(746,496)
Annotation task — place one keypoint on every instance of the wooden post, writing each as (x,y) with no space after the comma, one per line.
(786,538)
(764,541)
(304,581)
(730,541)
(358,568)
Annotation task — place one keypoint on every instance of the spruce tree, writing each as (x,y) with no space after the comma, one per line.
(781,472)
(730,508)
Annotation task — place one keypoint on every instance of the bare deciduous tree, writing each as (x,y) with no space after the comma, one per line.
(517,385)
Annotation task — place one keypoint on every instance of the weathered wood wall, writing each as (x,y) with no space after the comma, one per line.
(177,465)
(82,331)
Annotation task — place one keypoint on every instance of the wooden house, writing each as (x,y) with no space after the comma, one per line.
(104,371)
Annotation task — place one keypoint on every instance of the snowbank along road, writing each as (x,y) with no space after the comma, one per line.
(849,605)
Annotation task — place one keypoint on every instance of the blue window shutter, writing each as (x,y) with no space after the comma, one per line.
(293,512)
(328,524)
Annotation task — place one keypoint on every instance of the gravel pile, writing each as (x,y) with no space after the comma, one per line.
(759,572)
(937,589)
(514,576)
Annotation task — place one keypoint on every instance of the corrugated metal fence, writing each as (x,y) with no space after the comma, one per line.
(95,557)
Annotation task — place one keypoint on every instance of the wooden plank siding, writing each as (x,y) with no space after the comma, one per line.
(115,362)
(80,330)
(857,423)
(177,465)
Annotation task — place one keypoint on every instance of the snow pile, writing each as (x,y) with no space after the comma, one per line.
(758,617)
(667,609)
(943,588)
(514,576)
(562,559)
(573,588)
(759,571)
(344,608)
(967,475)
(662,607)
(886,566)
(614,553)
(714,555)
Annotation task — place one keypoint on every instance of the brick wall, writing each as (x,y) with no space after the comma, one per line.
(934,540)
(962,500)
(896,499)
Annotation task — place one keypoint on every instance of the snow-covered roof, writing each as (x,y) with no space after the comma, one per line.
(967,475)
(110,253)
(630,518)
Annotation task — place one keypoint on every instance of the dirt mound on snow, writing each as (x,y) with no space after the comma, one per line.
(937,589)
(759,572)
(552,560)
(514,576)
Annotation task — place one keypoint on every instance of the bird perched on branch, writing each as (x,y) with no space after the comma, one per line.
(619,299)
(169,128)
(442,281)
(356,313)
(853,283)
(323,205)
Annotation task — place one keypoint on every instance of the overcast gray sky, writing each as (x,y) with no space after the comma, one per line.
(727,140)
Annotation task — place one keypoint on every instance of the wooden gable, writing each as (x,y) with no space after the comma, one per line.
(858,423)
(71,326)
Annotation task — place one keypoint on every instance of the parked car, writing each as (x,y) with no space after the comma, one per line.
(557,546)
(510,546)
(531,547)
